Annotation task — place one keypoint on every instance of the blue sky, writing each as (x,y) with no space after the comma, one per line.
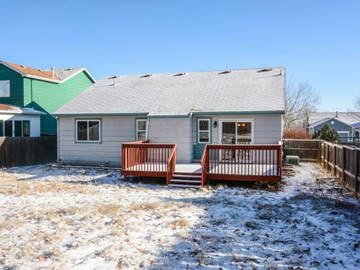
(317,41)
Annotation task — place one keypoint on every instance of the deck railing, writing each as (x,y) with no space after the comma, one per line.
(148,159)
(204,166)
(242,162)
(171,165)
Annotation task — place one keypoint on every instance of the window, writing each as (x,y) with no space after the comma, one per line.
(4,88)
(26,128)
(88,130)
(204,131)
(343,136)
(18,128)
(8,128)
(141,130)
(243,132)
(21,128)
(236,132)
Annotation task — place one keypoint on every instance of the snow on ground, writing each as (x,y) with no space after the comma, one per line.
(53,218)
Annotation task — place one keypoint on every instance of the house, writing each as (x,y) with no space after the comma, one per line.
(42,90)
(19,122)
(189,110)
(347,124)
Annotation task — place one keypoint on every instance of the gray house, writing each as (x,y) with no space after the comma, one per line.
(191,110)
(347,124)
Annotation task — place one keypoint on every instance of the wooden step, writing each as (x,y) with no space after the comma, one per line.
(188,173)
(175,180)
(184,186)
(186,176)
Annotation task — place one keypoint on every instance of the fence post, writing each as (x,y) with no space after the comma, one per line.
(327,156)
(334,161)
(357,172)
(343,162)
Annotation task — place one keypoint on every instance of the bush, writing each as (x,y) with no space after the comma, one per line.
(327,133)
(296,133)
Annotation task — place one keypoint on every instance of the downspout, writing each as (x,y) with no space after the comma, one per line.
(147,128)
(192,138)
(58,138)
(31,93)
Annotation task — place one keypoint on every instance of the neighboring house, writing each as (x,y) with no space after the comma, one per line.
(188,109)
(347,124)
(42,90)
(19,122)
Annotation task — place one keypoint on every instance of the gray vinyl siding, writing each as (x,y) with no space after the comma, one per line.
(173,130)
(115,130)
(267,127)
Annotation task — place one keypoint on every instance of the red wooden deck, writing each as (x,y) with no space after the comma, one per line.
(219,162)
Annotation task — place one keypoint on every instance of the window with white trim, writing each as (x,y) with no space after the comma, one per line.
(203,130)
(17,128)
(141,130)
(236,132)
(5,88)
(88,130)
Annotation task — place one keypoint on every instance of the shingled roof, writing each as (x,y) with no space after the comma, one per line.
(349,118)
(58,76)
(243,90)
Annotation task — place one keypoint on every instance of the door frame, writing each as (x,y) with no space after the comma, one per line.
(248,120)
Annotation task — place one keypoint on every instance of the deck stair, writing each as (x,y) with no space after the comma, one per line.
(186,180)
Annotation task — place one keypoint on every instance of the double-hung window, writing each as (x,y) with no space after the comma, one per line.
(5,88)
(141,130)
(88,130)
(203,130)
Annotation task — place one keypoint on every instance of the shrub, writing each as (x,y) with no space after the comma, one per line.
(296,133)
(326,133)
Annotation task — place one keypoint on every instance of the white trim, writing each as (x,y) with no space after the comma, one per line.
(137,130)
(198,130)
(81,70)
(88,130)
(249,120)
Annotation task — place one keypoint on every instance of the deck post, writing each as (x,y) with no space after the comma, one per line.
(279,161)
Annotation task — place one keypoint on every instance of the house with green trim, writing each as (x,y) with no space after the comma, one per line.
(42,90)
(191,110)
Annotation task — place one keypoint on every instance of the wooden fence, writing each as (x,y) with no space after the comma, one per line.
(344,162)
(307,150)
(20,151)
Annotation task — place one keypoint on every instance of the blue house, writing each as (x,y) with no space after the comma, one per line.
(347,124)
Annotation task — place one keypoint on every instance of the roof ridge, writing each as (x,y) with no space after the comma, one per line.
(197,71)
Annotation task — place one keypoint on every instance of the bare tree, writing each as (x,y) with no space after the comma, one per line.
(357,104)
(301,99)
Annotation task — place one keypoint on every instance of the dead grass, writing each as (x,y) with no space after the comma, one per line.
(17,187)
(146,206)
(180,223)
(109,209)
